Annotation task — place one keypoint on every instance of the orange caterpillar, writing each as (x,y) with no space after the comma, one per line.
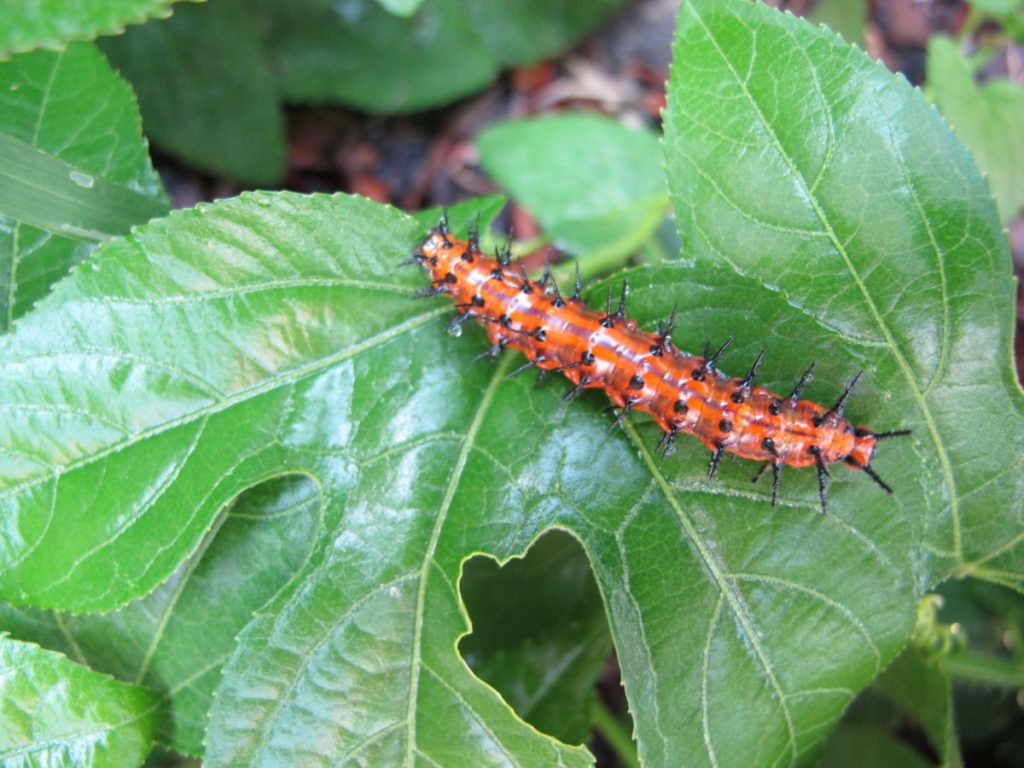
(643,371)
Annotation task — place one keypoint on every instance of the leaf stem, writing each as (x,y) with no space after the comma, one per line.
(611,729)
(983,668)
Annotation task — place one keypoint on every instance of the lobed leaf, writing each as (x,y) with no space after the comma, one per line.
(352,383)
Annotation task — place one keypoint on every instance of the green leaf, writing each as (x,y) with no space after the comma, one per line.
(919,689)
(176,639)
(273,334)
(75,162)
(987,118)
(540,636)
(854,745)
(360,54)
(207,90)
(53,23)
(42,190)
(823,177)
(911,696)
(54,712)
(596,186)
(847,17)
(461,215)
(529,30)
(996,7)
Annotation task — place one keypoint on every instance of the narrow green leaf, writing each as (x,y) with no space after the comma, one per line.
(55,712)
(43,191)
(176,639)
(74,109)
(53,23)
(821,175)
(207,90)
(596,186)
(987,118)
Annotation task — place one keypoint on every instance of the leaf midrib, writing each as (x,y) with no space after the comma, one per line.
(428,556)
(894,350)
(725,589)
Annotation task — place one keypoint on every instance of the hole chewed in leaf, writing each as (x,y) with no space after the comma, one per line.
(540,635)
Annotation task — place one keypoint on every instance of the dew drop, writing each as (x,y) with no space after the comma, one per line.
(82,179)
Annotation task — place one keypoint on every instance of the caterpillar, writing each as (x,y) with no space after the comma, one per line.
(643,371)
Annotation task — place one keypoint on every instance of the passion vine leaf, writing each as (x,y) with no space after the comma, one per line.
(55,712)
(74,169)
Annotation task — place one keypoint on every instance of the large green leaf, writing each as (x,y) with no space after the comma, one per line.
(177,638)
(55,712)
(596,186)
(52,23)
(827,179)
(78,168)
(273,334)
(988,118)
(206,89)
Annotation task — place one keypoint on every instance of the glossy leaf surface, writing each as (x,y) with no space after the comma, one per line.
(55,712)
(66,110)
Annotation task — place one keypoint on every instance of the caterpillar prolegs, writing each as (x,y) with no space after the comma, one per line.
(643,371)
